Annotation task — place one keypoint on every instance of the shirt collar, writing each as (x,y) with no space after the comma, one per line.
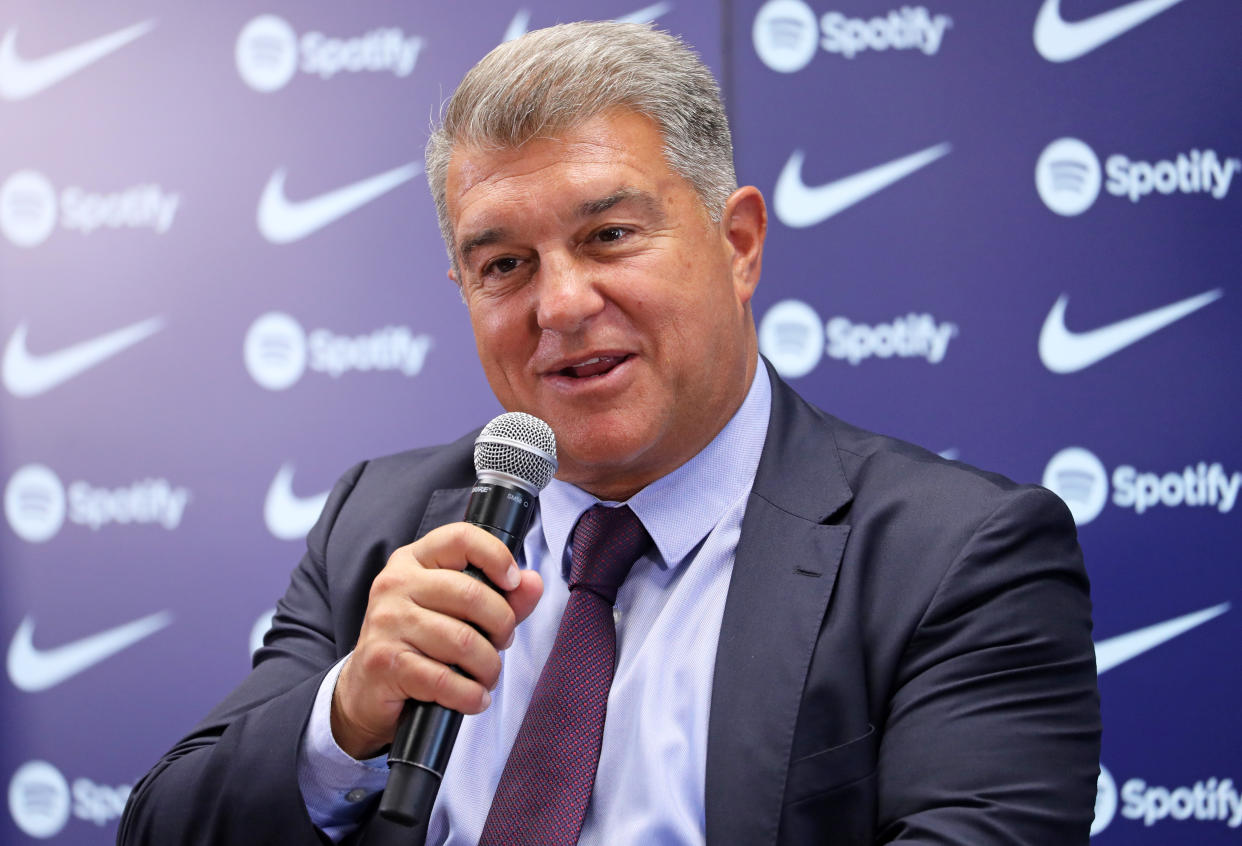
(679,509)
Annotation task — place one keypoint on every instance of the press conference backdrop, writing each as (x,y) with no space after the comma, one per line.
(1007,231)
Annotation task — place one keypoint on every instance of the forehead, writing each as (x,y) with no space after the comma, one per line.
(603,154)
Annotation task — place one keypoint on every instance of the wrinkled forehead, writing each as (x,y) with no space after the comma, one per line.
(609,152)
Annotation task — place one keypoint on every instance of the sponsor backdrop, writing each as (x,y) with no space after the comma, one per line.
(1007,231)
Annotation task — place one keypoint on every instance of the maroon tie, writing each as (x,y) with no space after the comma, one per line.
(546,784)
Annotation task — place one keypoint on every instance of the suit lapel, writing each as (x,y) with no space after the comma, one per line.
(783,576)
(446,505)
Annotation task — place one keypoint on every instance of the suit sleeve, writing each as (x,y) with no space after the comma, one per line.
(992,735)
(233,779)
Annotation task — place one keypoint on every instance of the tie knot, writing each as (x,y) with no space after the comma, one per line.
(605,544)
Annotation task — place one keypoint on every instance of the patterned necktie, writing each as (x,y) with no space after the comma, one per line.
(546,784)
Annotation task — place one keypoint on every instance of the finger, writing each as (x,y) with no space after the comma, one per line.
(464,597)
(427,680)
(525,596)
(458,544)
(451,642)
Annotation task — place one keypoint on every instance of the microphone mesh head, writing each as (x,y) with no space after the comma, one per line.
(517,445)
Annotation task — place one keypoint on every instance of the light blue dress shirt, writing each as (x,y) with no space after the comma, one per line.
(649,787)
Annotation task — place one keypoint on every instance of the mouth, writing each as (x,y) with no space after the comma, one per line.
(592,367)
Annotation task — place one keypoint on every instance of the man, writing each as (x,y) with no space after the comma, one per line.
(832,637)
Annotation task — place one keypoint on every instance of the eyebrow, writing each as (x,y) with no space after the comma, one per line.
(647,201)
(487,236)
(590,208)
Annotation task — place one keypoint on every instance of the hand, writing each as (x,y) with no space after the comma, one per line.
(418,626)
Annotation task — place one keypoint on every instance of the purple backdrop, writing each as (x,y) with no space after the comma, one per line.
(1007,231)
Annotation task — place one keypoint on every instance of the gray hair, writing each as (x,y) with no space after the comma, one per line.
(551,80)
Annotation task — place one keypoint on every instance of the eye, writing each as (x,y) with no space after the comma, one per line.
(612,233)
(500,266)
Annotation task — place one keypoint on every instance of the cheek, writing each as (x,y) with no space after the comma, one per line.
(495,330)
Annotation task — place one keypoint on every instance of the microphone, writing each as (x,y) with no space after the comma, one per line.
(514,457)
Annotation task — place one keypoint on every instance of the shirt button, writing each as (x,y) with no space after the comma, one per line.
(356,795)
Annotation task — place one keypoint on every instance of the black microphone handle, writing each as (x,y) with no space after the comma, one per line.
(425,735)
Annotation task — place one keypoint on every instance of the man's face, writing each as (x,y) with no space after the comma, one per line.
(604,299)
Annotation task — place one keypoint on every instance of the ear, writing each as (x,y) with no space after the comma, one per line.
(744,225)
(456,280)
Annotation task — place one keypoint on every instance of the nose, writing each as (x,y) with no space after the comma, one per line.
(568,293)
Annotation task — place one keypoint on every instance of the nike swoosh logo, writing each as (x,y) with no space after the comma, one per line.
(1063,351)
(21,78)
(520,23)
(647,14)
(290,517)
(1117,650)
(1059,40)
(28,375)
(283,222)
(800,206)
(32,669)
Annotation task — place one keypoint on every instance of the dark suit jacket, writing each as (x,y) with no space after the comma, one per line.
(905,655)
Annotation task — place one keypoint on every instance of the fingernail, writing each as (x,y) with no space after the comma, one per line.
(512,577)
(487,700)
(509,640)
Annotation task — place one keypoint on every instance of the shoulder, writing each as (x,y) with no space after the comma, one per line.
(906,489)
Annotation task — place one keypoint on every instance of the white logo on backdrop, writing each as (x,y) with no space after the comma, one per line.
(1079,478)
(791,335)
(39,799)
(22,78)
(34,503)
(1111,653)
(269,52)
(911,336)
(1117,650)
(910,28)
(1194,172)
(26,374)
(288,516)
(32,669)
(1207,800)
(518,26)
(283,222)
(275,351)
(27,208)
(785,34)
(798,205)
(793,338)
(1105,801)
(260,629)
(1067,176)
(1196,486)
(1059,40)
(520,23)
(1063,351)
